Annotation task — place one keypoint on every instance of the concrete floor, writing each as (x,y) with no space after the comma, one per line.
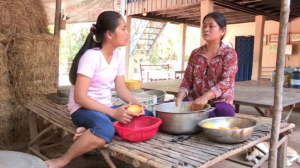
(294,142)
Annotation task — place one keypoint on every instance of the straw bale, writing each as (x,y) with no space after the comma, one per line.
(6,123)
(2,38)
(23,17)
(6,106)
(6,109)
(6,129)
(4,76)
(33,50)
(33,65)
(4,79)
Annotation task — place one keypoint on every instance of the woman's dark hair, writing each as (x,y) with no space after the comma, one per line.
(108,20)
(219,18)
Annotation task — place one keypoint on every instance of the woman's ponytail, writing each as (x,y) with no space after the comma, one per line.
(108,20)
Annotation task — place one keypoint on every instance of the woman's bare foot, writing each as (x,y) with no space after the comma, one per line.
(56,163)
(79,132)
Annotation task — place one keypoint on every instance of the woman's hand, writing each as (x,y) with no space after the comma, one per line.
(177,101)
(142,107)
(123,115)
(180,97)
(199,103)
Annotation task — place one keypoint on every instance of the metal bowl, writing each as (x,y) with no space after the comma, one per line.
(246,126)
(160,94)
(180,119)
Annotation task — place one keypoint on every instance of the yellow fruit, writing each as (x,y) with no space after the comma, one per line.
(223,128)
(235,128)
(208,125)
(135,109)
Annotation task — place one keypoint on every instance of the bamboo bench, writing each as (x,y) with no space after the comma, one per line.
(159,151)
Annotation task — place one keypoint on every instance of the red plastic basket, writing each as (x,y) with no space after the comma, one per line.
(139,128)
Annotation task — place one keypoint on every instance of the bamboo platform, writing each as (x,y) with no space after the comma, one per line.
(159,151)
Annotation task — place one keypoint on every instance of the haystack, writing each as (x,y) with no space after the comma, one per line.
(6,107)
(28,64)
(22,17)
(33,66)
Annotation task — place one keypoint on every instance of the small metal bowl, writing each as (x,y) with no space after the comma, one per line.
(246,129)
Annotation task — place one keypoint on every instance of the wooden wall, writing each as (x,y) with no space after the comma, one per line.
(136,7)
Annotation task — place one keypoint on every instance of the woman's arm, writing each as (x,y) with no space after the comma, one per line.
(228,76)
(124,93)
(187,80)
(81,98)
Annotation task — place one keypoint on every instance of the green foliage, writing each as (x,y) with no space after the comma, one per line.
(166,47)
(71,40)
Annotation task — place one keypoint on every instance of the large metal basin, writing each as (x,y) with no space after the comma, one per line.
(246,126)
(180,120)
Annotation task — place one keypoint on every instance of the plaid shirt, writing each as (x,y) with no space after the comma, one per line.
(219,76)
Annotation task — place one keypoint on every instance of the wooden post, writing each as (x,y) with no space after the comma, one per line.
(284,19)
(258,47)
(206,7)
(182,40)
(57,33)
(33,131)
(128,21)
(281,159)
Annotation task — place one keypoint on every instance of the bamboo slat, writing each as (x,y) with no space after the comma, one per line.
(178,147)
(159,151)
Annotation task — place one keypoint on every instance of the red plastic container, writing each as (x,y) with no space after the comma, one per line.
(139,128)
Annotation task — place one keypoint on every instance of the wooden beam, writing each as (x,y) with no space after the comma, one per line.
(127,66)
(255,3)
(228,18)
(264,5)
(176,7)
(207,6)
(194,16)
(240,21)
(163,19)
(181,14)
(222,10)
(171,11)
(244,9)
(188,9)
(32,120)
(182,41)
(57,33)
(282,153)
(283,30)
(258,46)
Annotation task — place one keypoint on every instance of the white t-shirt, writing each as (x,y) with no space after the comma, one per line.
(93,65)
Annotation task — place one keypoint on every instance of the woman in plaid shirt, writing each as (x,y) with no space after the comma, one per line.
(210,73)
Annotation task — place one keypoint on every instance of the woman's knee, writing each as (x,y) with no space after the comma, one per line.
(104,130)
(148,113)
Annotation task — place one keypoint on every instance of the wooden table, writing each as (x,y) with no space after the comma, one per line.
(198,151)
(259,94)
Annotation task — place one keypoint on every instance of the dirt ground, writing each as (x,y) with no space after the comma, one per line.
(99,162)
